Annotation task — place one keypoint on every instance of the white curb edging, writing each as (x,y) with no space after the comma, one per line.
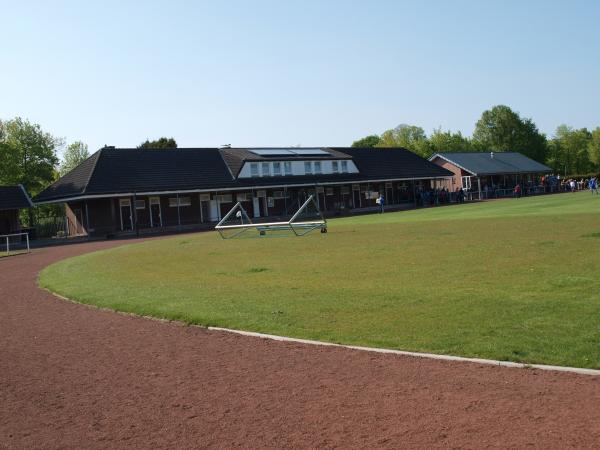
(274,337)
(493,362)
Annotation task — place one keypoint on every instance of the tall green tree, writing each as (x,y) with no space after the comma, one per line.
(570,150)
(447,141)
(162,142)
(27,155)
(368,141)
(74,154)
(594,149)
(501,129)
(410,137)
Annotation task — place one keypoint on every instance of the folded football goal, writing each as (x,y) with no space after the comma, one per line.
(237,223)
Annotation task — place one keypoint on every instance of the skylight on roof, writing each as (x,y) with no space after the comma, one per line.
(272,152)
(309,151)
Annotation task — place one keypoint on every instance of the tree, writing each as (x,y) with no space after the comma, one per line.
(446,141)
(27,155)
(501,129)
(368,141)
(570,150)
(162,142)
(594,149)
(75,154)
(410,137)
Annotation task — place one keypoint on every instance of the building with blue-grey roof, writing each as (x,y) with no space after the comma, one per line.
(492,174)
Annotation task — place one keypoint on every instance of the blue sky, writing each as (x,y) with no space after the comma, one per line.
(269,73)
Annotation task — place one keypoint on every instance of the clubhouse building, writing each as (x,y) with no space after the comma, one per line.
(489,175)
(125,190)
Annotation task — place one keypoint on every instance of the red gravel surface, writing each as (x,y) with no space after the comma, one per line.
(72,376)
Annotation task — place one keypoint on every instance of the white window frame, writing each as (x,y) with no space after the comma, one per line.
(137,204)
(344,166)
(276,169)
(318,169)
(254,169)
(308,170)
(154,201)
(335,167)
(287,167)
(265,169)
(183,201)
(125,202)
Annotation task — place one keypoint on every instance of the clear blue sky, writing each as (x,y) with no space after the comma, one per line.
(268,73)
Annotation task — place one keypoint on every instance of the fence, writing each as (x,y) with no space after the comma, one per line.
(14,243)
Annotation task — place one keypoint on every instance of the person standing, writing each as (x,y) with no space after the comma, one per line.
(517,191)
(381,203)
(593,185)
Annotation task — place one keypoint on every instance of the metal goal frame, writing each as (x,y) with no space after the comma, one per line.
(300,228)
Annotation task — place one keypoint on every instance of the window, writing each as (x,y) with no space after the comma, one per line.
(276,169)
(225,198)
(345,190)
(329,191)
(278,194)
(183,201)
(287,166)
(266,169)
(308,168)
(318,167)
(334,166)
(254,169)
(205,197)
(244,197)
(140,204)
(344,166)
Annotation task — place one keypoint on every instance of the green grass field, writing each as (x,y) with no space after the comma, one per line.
(512,280)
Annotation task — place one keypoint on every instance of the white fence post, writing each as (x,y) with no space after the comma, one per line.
(7,247)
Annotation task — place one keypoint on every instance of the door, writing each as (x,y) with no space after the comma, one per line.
(155,212)
(256,206)
(356,201)
(214,211)
(389,194)
(126,219)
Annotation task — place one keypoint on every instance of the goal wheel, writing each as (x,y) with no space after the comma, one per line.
(323,230)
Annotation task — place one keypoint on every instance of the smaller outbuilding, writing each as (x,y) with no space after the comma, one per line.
(12,200)
(492,174)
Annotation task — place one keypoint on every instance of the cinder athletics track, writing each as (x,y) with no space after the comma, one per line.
(76,377)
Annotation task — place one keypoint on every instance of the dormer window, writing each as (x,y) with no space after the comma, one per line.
(344,166)
(254,169)
(334,167)
(266,169)
(276,169)
(318,167)
(287,167)
(308,168)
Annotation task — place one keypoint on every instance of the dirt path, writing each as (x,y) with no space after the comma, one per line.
(76,377)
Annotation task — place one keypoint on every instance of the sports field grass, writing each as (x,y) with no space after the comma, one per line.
(512,280)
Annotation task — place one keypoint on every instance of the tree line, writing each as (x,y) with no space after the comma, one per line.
(500,129)
(29,155)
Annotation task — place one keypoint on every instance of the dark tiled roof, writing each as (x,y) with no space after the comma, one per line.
(115,171)
(479,163)
(13,197)
(391,163)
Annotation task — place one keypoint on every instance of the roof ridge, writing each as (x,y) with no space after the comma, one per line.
(89,178)
(220,152)
(26,194)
